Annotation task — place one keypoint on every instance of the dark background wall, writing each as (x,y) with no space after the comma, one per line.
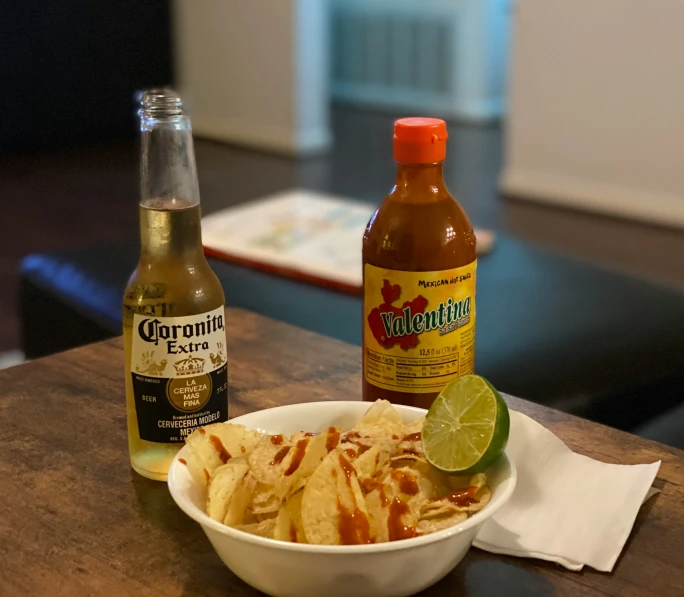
(69,68)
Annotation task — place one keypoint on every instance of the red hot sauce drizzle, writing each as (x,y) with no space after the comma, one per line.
(293,533)
(277,440)
(412,437)
(353,526)
(350,452)
(362,447)
(300,450)
(347,468)
(201,430)
(224,455)
(333,439)
(368,485)
(407,482)
(182,461)
(461,497)
(280,454)
(395,525)
(351,438)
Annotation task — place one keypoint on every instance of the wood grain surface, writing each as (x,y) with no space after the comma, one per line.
(76,520)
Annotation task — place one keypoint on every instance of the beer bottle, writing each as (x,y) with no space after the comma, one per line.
(173,306)
(419,265)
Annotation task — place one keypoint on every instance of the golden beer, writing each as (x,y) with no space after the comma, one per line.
(173,321)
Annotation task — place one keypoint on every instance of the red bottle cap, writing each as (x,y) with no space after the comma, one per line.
(420,140)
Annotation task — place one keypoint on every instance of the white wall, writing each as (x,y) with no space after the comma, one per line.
(255,71)
(596,114)
(444,58)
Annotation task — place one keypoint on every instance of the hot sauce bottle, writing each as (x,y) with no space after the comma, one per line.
(419,264)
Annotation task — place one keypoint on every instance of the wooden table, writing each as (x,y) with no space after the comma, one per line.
(76,521)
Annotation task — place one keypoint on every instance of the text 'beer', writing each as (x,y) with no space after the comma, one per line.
(173,309)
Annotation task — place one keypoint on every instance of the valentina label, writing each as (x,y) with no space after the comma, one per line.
(446,318)
(402,325)
(419,328)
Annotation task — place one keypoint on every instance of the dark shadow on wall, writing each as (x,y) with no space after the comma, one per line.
(69,68)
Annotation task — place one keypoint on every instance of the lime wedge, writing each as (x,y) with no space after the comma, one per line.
(466,428)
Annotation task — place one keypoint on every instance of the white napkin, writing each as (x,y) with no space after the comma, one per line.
(566,508)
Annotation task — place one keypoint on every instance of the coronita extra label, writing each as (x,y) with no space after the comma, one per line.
(419,327)
(179,371)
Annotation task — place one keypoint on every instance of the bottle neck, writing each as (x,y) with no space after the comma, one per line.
(169,192)
(170,233)
(419,183)
(167,167)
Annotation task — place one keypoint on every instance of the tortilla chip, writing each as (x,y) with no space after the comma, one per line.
(235,514)
(432,525)
(333,492)
(411,441)
(296,472)
(414,447)
(407,482)
(479,480)
(266,516)
(413,427)
(404,482)
(437,510)
(461,482)
(222,484)
(266,460)
(441,484)
(380,420)
(195,465)
(262,529)
(284,529)
(272,505)
(412,487)
(288,525)
(377,502)
(217,444)
(370,461)
(262,494)
(402,458)
(483,496)
(294,507)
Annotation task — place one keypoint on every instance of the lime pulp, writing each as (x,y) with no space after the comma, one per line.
(467,426)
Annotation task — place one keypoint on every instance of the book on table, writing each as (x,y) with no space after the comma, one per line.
(300,234)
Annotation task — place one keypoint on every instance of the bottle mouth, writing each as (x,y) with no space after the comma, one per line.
(159,102)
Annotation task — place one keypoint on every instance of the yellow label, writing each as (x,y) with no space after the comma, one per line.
(419,327)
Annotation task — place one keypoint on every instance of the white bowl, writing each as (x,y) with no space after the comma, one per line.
(295,570)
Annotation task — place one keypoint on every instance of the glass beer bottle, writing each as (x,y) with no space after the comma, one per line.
(419,265)
(173,306)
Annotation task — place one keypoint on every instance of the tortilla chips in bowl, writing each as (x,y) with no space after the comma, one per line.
(332,498)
